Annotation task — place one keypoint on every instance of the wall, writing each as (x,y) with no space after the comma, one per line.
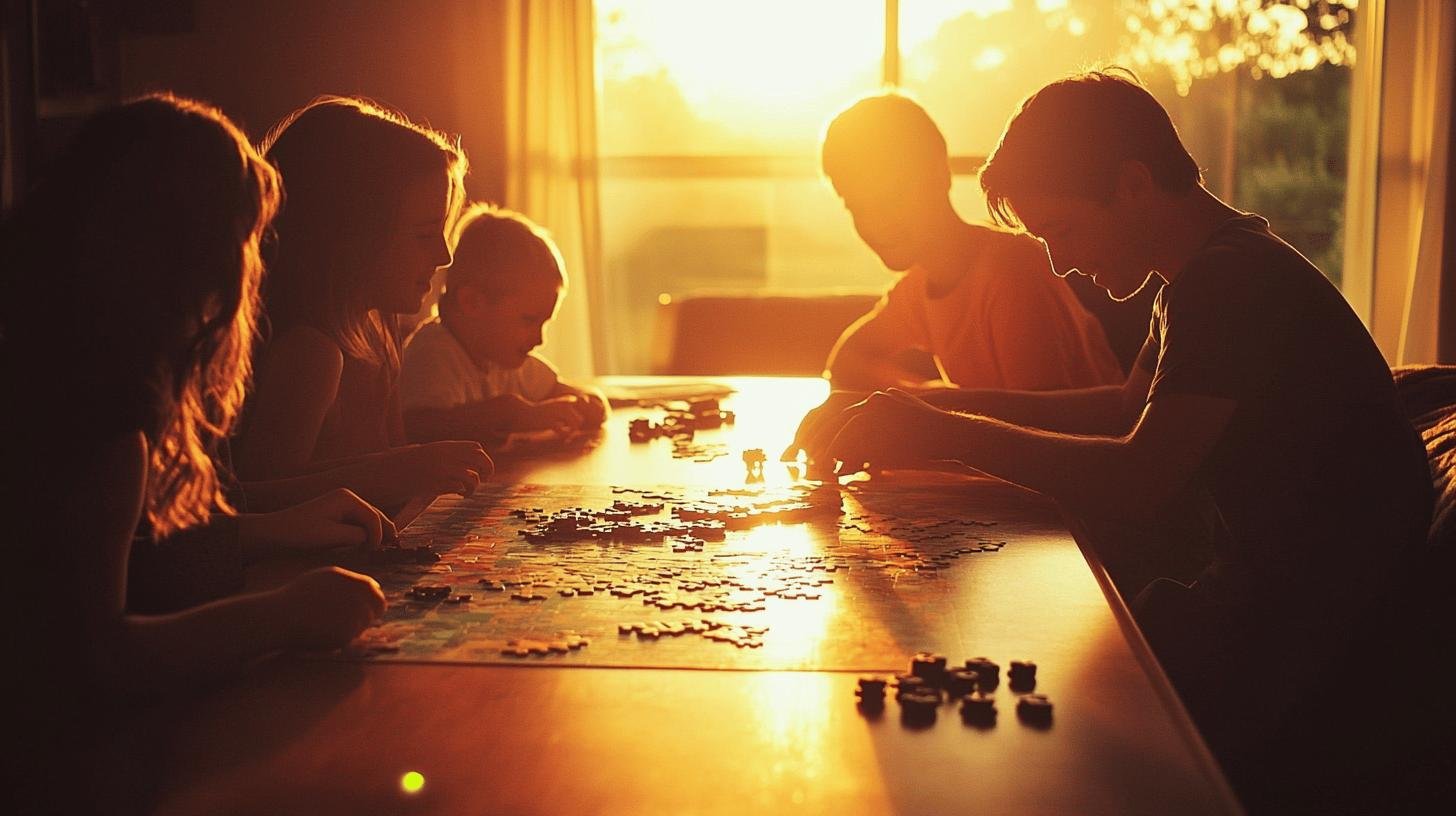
(439,62)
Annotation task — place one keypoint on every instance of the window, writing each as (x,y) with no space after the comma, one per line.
(711,115)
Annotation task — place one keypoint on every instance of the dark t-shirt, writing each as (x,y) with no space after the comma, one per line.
(1318,475)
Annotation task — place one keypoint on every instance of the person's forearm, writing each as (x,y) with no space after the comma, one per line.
(1092,411)
(480,421)
(362,474)
(152,653)
(1080,471)
(853,369)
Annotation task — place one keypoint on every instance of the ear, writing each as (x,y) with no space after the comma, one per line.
(1134,183)
(469,300)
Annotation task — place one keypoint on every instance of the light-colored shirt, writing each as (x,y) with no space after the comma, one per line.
(436,372)
(1008,323)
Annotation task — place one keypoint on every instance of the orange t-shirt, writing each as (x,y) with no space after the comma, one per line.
(1009,323)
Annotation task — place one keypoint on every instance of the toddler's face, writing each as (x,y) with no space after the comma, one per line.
(507,328)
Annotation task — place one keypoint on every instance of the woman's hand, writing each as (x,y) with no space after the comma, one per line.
(440,467)
(326,608)
(338,518)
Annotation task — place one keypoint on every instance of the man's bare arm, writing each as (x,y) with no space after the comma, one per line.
(864,356)
(1121,475)
(1108,410)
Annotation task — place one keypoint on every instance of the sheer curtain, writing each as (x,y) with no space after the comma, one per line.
(551,162)
(1411,48)
(1435,54)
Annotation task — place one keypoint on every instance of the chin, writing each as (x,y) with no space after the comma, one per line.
(1123,293)
(896,264)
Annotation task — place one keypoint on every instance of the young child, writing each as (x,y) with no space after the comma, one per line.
(976,298)
(472,374)
(363,231)
(128,304)
(1258,386)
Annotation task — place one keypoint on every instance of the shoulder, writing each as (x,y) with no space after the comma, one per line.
(536,366)
(1006,247)
(431,342)
(1014,266)
(1001,257)
(429,335)
(300,349)
(904,299)
(1244,250)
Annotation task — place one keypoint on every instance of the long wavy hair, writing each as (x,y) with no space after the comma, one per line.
(131,283)
(346,162)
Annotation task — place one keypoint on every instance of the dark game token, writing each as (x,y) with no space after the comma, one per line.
(871,694)
(871,687)
(918,708)
(458,599)
(978,708)
(988,674)
(960,682)
(928,667)
(909,683)
(1035,709)
(1022,675)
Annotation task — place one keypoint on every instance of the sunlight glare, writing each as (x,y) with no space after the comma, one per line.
(755,58)
(800,626)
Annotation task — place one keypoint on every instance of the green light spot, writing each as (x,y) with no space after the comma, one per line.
(412,782)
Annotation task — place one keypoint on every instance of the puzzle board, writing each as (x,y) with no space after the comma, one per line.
(850,590)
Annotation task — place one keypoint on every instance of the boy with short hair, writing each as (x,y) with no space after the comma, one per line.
(976,298)
(471,374)
(1258,387)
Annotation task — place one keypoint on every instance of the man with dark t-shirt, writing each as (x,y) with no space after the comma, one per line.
(1259,393)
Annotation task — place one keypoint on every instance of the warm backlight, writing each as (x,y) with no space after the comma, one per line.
(766,68)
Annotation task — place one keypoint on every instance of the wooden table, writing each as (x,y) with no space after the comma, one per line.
(299,736)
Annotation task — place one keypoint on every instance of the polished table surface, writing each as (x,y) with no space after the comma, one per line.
(309,736)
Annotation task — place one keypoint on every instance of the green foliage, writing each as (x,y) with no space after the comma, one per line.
(1293,137)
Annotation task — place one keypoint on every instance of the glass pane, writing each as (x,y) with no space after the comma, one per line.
(744,77)
(674,236)
(705,79)
(1260,91)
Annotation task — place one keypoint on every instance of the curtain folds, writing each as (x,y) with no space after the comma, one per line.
(551,163)
(1435,55)
(1412,180)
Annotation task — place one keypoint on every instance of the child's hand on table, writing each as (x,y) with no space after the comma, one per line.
(594,408)
(338,518)
(441,467)
(326,608)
